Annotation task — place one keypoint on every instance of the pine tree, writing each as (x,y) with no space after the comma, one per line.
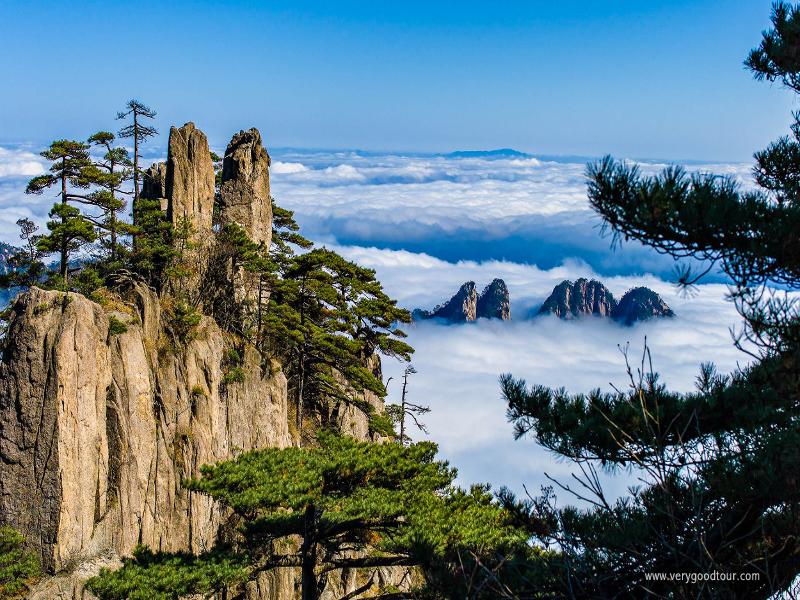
(25,265)
(352,505)
(113,170)
(19,567)
(327,316)
(140,133)
(720,491)
(400,413)
(71,170)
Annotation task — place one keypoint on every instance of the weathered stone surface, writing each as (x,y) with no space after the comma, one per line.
(467,305)
(244,193)
(154,184)
(640,304)
(583,298)
(461,307)
(97,431)
(494,301)
(189,184)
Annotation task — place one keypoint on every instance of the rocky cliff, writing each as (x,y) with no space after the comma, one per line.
(591,298)
(467,305)
(582,298)
(640,304)
(494,301)
(104,411)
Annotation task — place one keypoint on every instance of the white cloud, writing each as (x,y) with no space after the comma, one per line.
(458,365)
(523,209)
(283,168)
(20,163)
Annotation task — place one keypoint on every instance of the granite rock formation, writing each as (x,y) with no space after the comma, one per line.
(640,304)
(461,307)
(582,298)
(189,182)
(494,301)
(99,426)
(591,298)
(154,184)
(467,305)
(244,193)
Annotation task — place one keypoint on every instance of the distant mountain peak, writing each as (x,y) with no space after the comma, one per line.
(640,304)
(571,300)
(467,305)
(497,153)
(581,298)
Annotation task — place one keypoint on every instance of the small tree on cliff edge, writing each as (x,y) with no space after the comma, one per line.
(353,505)
(113,170)
(721,492)
(140,133)
(71,170)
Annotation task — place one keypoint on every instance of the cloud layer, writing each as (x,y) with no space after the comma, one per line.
(458,365)
(521,209)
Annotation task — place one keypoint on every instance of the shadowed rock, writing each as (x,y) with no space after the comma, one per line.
(583,298)
(640,304)
(494,301)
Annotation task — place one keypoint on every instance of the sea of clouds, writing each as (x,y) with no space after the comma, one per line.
(458,365)
(427,224)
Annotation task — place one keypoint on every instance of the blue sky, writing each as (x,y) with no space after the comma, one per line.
(652,79)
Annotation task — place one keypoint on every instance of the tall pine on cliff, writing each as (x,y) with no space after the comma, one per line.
(349,504)
(326,317)
(139,132)
(113,169)
(71,171)
(722,493)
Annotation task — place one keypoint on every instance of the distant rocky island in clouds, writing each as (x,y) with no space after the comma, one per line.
(467,305)
(568,301)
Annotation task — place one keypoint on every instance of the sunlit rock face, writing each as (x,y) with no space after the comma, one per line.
(579,299)
(591,298)
(244,193)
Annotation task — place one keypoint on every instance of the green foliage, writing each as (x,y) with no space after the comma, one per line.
(18,567)
(88,280)
(718,466)
(115,326)
(182,320)
(72,171)
(158,576)
(355,505)
(109,174)
(326,316)
(25,266)
(153,250)
(233,375)
(139,133)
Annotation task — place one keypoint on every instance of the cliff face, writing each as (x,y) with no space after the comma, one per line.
(640,304)
(494,302)
(100,423)
(467,305)
(571,300)
(99,430)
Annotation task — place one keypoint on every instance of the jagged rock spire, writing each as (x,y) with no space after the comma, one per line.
(189,183)
(244,194)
